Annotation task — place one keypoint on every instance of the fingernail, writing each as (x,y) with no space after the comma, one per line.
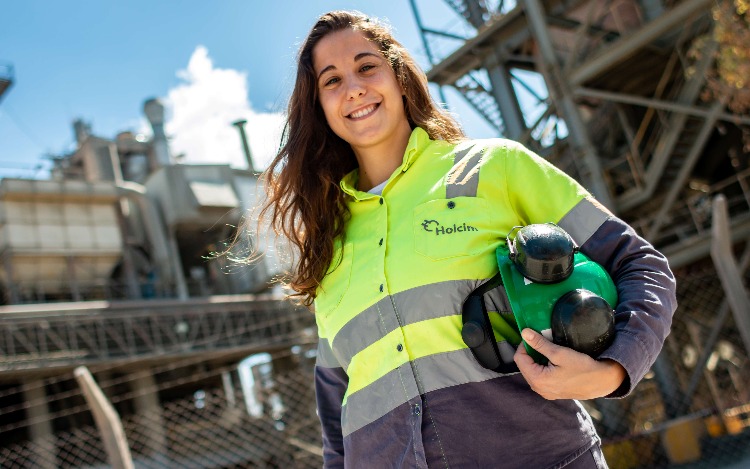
(527,334)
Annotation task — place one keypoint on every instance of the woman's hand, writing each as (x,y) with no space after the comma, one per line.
(569,374)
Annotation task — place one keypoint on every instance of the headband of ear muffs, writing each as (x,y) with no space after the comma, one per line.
(553,289)
(477,331)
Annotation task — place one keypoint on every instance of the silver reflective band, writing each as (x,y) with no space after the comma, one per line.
(463,178)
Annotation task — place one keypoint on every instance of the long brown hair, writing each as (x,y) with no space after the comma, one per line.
(305,202)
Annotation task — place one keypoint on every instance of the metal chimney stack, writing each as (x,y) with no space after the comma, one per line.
(240,124)
(154,110)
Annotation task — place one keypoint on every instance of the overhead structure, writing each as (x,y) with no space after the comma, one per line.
(629,98)
(611,93)
(6,78)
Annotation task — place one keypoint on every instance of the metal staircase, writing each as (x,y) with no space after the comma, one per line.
(481,99)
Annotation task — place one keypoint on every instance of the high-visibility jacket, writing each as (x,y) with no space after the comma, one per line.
(396,385)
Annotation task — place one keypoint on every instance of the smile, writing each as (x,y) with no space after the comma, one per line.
(363,112)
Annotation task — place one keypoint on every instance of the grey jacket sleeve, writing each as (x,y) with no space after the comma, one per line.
(331,382)
(646,292)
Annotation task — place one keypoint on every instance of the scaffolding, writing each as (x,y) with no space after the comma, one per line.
(613,93)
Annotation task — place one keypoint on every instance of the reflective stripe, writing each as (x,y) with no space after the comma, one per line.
(433,336)
(390,391)
(365,329)
(463,178)
(582,221)
(377,399)
(422,303)
(325,357)
(430,337)
(376,361)
(450,369)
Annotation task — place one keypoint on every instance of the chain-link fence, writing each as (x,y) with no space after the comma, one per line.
(234,408)
(192,414)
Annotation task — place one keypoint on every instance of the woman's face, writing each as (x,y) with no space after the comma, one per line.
(358,91)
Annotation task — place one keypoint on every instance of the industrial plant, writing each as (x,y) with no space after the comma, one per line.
(113,282)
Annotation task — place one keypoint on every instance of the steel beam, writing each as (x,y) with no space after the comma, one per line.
(620,50)
(728,271)
(687,109)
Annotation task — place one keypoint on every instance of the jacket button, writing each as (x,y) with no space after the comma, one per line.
(417,409)
(381,201)
(381,288)
(381,242)
(399,347)
(451,204)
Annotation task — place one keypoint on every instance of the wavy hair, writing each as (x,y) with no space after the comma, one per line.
(305,203)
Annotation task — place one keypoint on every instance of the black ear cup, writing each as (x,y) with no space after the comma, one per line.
(583,321)
(543,253)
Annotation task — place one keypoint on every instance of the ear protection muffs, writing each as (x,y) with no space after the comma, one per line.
(552,288)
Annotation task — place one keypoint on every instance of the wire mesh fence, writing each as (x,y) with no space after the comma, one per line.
(193,415)
(237,409)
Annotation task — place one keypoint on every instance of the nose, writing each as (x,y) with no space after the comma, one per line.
(356,89)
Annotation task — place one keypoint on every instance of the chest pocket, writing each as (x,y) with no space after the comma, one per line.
(336,282)
(447,228)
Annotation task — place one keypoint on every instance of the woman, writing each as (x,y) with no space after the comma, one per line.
(396,216)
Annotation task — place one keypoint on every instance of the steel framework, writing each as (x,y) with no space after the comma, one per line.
(614,93)
(620,108)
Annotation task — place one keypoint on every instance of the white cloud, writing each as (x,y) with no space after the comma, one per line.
(200,112)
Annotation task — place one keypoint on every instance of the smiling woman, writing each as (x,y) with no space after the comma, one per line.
(396,218)
(363,103)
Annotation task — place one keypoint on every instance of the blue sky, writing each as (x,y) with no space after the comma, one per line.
(212,62)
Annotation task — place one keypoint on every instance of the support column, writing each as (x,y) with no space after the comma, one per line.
(559,89)
(499,75)
(12,290)
(75,291)
(505,95)
(179,276)
(40,425)
(150,419)
(728,270)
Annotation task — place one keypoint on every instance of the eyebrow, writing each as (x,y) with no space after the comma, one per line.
(357,58)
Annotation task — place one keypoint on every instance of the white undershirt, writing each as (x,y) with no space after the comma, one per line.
(378,190)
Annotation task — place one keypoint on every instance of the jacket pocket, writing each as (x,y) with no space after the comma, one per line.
(335,284)
(447,228)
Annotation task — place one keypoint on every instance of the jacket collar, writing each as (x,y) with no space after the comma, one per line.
(418,141)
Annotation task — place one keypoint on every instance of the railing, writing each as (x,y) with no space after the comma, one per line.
(94,332)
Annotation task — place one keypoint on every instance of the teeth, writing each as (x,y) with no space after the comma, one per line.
(362,112)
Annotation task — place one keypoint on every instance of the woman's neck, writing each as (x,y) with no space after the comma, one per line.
(377,163)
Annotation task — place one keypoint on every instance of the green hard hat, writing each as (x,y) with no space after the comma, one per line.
(532,303)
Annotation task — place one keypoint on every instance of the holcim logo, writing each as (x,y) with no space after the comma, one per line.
(434,226)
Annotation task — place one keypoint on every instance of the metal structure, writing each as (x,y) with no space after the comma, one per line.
(611,92)
(108,274)
(6,78)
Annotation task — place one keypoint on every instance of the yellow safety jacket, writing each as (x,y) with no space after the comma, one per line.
(395,381)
